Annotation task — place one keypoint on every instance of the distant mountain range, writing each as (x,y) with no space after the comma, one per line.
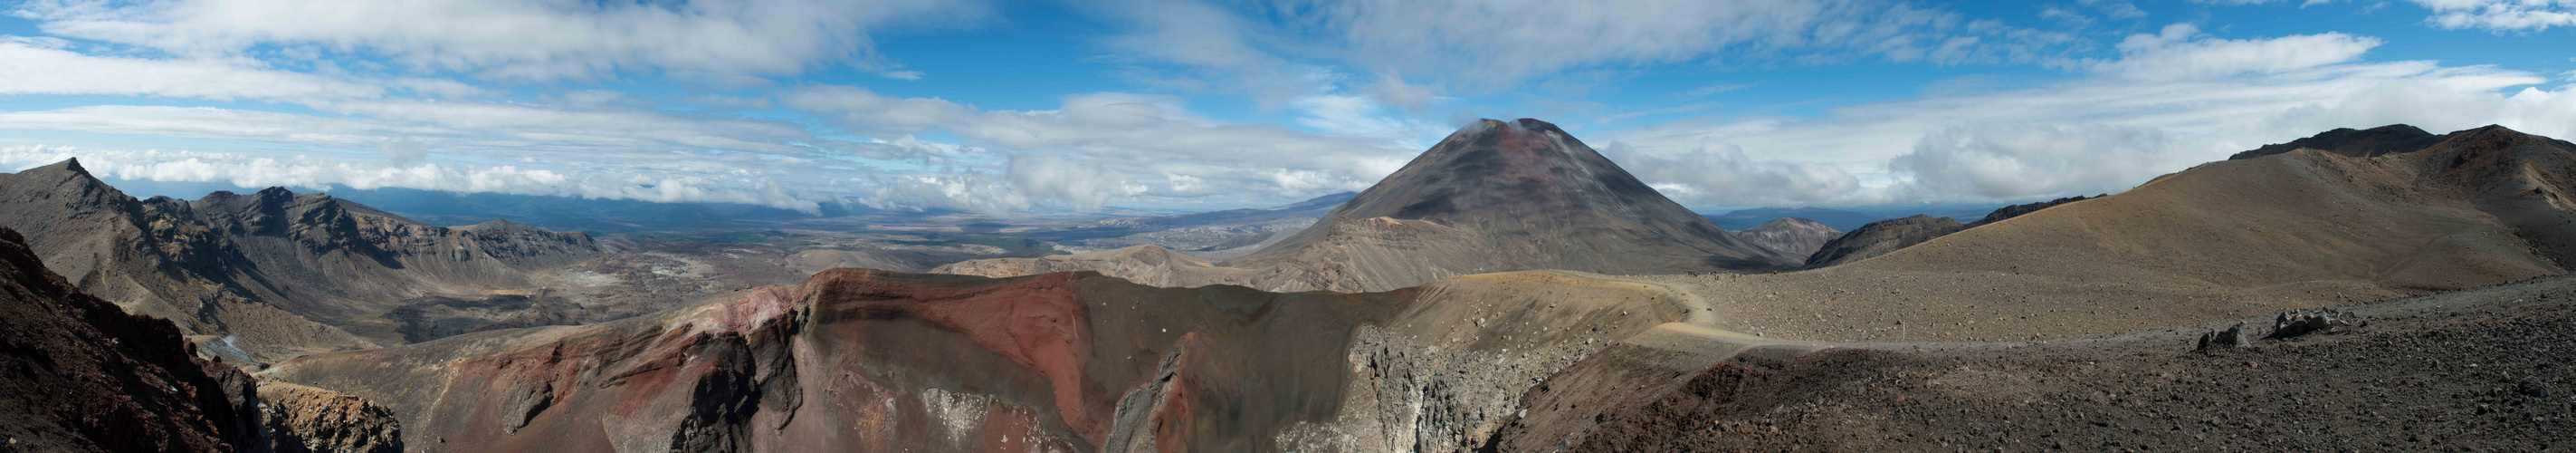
(552,212)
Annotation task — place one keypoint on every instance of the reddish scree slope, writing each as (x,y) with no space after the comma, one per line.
(881,361)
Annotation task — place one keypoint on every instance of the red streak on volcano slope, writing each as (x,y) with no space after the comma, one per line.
(1034,321)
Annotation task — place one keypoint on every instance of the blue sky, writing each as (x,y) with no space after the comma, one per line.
(1012,106)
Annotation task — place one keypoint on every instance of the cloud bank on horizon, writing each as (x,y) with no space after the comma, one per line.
(1001,107)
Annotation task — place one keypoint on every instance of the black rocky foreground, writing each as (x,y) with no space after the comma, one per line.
(79,374)
(2477,370)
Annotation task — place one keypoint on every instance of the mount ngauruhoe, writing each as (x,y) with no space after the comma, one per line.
(1495,196)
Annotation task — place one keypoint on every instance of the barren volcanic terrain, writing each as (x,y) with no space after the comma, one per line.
(2479,370)
(2180,314)
(264,276)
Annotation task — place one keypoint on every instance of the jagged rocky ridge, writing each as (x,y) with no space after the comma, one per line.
(263,276)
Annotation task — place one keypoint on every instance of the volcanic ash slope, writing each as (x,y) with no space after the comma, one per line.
(1493,197)
(2481,369)
(2297,229)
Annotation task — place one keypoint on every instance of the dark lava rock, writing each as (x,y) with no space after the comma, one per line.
(80,374)
(2302,322)
(2008,212)
(2394,138)
(2233,337)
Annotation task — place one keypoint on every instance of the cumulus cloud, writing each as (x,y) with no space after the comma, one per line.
(528,40)
(1131,137)
(1085,187)
(2017,161)
(967,191)
(1721,175)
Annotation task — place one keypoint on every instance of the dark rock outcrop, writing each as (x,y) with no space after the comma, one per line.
(2394,138)
(273,274)
(1880,237)
(2008,212)
(303,419)
(2302,322)
(77,373)
(2233,336)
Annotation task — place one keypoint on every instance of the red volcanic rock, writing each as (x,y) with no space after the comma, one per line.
(882,361)
(1035,322)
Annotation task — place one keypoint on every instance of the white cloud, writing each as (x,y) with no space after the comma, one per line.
(461,127)
(521,40)
(216,123)
(2502,15)
(1132,137)
(312,172)
(2116,9)
(2007,162)
(1721,175)
(1493,44)
(1083,186)
(2181,50)
(1391,89)
(867,111)
(955,190)
(403,151)
(47,66)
